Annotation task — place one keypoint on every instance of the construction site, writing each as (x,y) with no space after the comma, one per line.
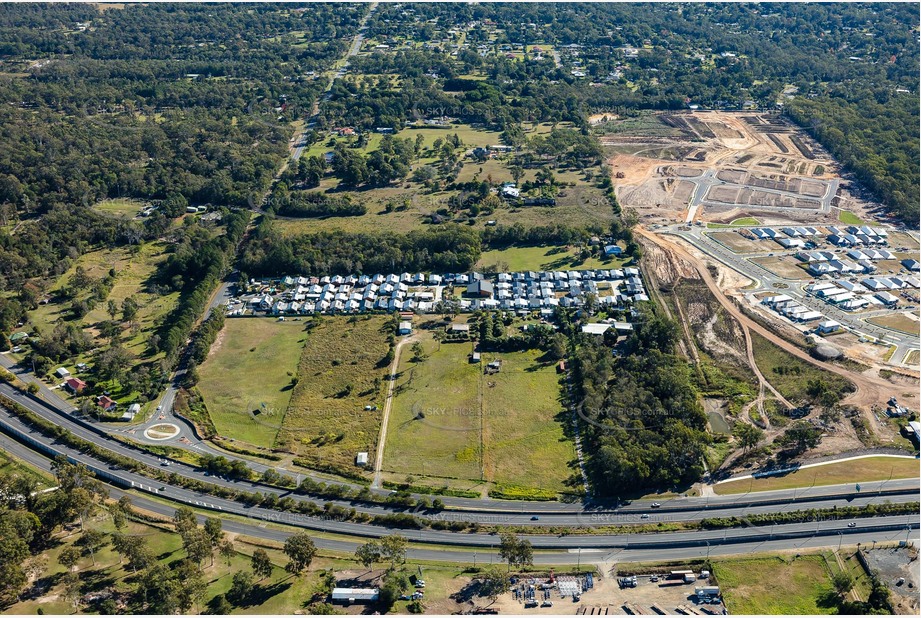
(720,166)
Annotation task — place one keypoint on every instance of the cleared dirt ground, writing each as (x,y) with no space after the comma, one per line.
(757,153)
(606,598)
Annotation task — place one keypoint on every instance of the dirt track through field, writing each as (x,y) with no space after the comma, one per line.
(869,391)
(388,404)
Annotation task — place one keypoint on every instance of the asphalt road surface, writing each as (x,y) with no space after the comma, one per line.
(589,549)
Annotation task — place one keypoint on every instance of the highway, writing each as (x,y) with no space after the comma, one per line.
(485,511)
(678,544)
(508,513)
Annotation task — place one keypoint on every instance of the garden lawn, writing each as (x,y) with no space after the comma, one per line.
(246,379)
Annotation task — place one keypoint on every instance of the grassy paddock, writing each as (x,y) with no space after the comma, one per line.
(849,218)
(120,207)
(898,321)
(776,585)
(134,267)
(792,383)
(862,470)
(249,366)
(339,373)
(543,258)
(501,428)
(743,221)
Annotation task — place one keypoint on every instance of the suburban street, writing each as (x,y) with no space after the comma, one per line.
(766,280)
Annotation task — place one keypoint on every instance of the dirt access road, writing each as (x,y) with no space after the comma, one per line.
(388,404)
(870,390)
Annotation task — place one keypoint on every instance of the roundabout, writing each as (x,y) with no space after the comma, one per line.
(162,431)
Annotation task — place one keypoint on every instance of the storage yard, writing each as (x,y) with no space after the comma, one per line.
(666,593)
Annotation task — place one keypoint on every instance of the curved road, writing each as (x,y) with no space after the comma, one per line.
(738,540)
(674,510)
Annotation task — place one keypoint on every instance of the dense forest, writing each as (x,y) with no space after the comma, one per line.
(448,248)
(645,425)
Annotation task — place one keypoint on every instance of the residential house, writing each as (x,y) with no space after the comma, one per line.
(74,385)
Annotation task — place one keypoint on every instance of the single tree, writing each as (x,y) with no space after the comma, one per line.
(300,551)
(748,435)
(93,541)
(368,553)
(393,549)
(227,551)
(493,584)
(191,586)
(241,587)
(262,564)
(843,583)
(69,557)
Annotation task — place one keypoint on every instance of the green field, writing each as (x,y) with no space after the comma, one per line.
(339,373)
(120,207)
(849,218)
(515,259)
(776,585)
(449,420)
(134,267)
(796,374)
(245,381)
(866,470)
(734,223)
